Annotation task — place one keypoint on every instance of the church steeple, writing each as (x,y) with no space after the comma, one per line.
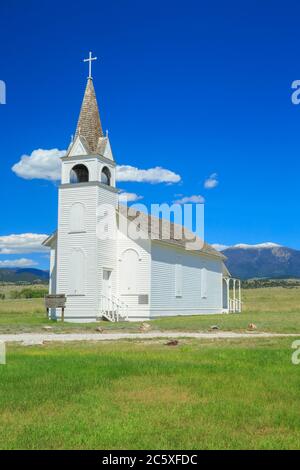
(89,139)
(89,125)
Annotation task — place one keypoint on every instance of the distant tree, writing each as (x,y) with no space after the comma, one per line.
(261,283)
(29,293)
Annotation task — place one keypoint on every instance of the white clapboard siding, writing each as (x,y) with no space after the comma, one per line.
(203,274)
(134,268)
(106,248)
(194,287)
(82,235)
(152,278)
(84,305)
(78,272)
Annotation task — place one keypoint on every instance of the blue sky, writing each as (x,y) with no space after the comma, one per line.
(194,87)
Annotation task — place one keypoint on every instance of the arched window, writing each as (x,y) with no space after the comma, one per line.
(79,174)
(77,218)
(105,176)
(129,272)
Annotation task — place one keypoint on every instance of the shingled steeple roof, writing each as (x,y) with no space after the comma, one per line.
(89,124)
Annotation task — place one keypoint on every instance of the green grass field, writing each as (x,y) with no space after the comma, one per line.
(137,395)
(274,309)
(208,394)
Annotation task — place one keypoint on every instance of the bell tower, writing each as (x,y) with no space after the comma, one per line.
(88,182)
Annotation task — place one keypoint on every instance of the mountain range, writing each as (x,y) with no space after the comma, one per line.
(265,260)
(30,275)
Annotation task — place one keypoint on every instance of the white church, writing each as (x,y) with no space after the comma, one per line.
(122,277)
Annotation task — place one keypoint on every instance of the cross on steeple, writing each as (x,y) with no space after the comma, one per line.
(89,60)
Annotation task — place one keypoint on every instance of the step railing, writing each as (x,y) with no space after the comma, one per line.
(122,307)
(113,309)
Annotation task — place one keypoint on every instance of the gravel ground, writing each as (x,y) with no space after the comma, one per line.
(39,338)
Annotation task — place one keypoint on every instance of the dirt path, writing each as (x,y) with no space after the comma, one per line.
(39,338)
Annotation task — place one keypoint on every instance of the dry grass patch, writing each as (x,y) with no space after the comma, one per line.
(154,394)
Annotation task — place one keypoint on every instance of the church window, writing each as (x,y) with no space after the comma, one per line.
(79,174)
(77,218)
(105,176)
(129,272)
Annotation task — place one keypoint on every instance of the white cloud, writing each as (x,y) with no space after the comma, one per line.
(188,199)
(22,243)
(211,182)
(129,197)
(152,175)
(17,263)
(46,164)
(219,247)
(41,164)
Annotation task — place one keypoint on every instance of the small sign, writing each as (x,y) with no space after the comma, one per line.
(55,301)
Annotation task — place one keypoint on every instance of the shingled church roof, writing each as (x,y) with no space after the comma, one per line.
(166,231)
(89,124)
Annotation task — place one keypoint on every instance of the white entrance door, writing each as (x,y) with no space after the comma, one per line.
(106,283)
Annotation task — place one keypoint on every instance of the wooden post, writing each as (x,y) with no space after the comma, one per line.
(56,301)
